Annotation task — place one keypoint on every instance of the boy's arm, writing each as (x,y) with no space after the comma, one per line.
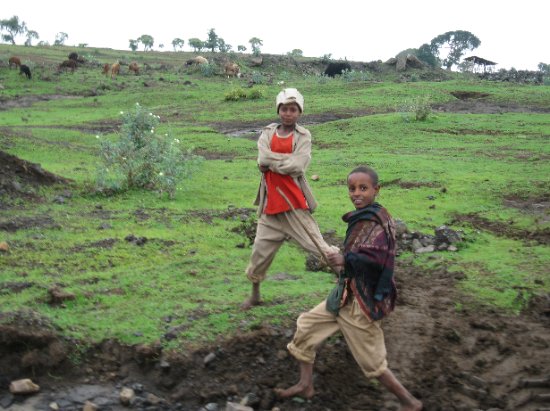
(293,164)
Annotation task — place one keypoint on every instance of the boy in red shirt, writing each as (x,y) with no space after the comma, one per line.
(284,152)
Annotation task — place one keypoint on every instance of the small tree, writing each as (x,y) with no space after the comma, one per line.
(212,41)
(457,42)
(147,41)
(31,34)
(255,44)
(60,39)
(13,27)
(296,53)
(196,43)
(425,54)
(177,43)
(143,159)
(544,68)
(241,48)
(133,44)
(223,46)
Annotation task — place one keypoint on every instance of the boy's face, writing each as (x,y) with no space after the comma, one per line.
(289,114)
(361,190)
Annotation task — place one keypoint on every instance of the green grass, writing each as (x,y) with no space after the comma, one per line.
(189,275)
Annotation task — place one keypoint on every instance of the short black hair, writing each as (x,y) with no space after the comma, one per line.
(366,170)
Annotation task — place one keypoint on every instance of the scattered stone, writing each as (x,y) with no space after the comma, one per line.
(90,406)
(4,246)
(24,386)
(53,406)
(444,234)
(427,249)
(57,296)
(452,248)
(59,200)
(7,400)
(314,177)
(152,399)
(209,358)
(231,406)
(127,396)
(211,406)
(104,226)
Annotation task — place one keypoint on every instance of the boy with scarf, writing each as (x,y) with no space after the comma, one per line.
(284,152)
(364,295)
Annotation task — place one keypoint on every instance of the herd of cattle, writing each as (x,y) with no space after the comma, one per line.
(230,69)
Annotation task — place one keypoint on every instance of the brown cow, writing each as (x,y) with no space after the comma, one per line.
(106,68)
(134,67)
(67,64)
(232,70)
(115,69)
(14,61)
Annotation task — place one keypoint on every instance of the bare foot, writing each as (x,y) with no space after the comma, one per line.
(414,406)
(298,390)
(249,303)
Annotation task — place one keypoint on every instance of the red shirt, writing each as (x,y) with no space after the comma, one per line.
(275,202)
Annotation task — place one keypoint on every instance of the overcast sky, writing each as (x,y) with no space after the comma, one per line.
(513,34)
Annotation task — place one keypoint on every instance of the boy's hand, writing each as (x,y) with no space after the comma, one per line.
(335,259)
(262,168)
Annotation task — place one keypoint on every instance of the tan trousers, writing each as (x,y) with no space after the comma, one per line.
(364,337)
(271,233)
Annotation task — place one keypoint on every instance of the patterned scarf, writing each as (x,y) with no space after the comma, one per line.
(369,253)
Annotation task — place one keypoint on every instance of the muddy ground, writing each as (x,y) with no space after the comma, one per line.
(450,352)
(447,350)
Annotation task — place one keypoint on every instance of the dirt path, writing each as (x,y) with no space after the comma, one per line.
(449,352)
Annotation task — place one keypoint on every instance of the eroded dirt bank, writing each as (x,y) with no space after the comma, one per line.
(449,352)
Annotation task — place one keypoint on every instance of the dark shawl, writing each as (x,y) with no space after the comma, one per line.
(369,254)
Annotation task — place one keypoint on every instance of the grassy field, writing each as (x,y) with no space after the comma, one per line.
(486,174)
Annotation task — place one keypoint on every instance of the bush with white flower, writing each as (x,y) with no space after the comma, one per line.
(141,158)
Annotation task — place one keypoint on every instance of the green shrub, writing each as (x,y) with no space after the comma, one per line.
(258,78)
(237,94)
(208,69)
(141,158)
(418,109)
(352,75)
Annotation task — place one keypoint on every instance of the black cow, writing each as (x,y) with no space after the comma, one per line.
(25,70)
(336,69)
(73,56)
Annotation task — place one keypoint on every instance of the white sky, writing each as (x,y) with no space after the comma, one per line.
(513,34)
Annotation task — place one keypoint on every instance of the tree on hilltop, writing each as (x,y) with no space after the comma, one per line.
(13,27)
(196,43)
(60,39)
(255,43)
(457,42)
(177,43)
(147,41)
(31,34)
(212,41)
(133,44)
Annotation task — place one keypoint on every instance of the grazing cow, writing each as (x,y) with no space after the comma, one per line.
(115,69)
(196,61)
(134,67)
(336,69)
(67,64)
(23,69)
(14,61)
(73,56)
(232,70)
(106,68)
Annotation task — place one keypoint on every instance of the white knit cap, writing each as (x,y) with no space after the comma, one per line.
(290,95)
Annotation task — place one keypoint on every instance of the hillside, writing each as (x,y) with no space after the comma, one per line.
(105,289)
